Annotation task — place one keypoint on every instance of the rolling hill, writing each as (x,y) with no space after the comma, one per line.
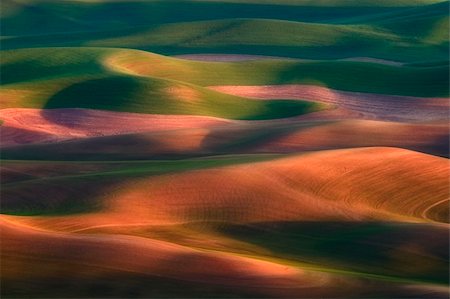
(73,65)
(389,30)
(224,149)
(262,214)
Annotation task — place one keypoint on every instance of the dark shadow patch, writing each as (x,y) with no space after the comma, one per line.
(396,251)
(111,93)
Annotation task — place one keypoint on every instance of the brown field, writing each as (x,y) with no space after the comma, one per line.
(341,185)
(238,57)
(171,224)
(224,149)
(21,125)
(368,106)
(149,135)
(87,258)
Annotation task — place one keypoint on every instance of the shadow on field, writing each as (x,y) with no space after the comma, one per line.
(116,285)
(233,139)
(111,93)
(56,196)
(404,251)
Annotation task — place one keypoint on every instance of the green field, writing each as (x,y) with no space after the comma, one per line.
(76,78)
(53,71)
(305,29)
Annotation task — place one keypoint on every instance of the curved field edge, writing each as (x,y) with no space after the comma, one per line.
(82,82)
(342,75)
(257,270)
(324,185)
(94,176)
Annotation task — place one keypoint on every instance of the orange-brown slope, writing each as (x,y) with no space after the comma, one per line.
(29,254)
(356,184)
(386,184)
(42,263)
(353,185)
